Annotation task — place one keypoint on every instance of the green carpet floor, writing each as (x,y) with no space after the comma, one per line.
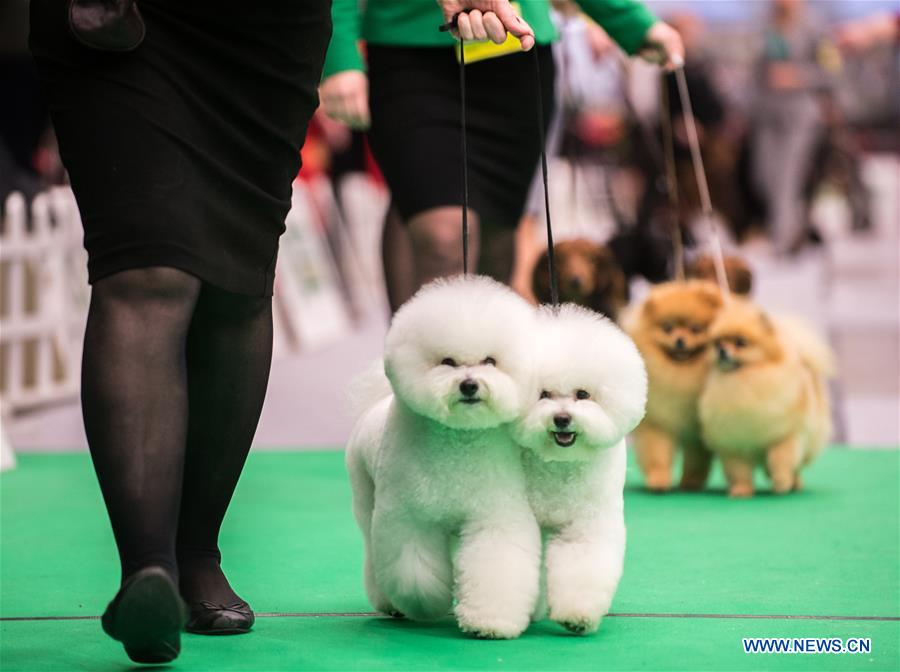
(701,570)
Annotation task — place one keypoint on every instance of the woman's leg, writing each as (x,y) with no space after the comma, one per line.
(229,352)
(437,249)
(397,260)
(436,237)
(795,153)
(134,400)
(498,247)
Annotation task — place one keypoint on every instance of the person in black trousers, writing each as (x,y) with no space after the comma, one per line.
(180,124)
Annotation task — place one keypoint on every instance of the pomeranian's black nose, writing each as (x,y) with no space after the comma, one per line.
(468,387)
(723,354)
(679,343)
(562,420)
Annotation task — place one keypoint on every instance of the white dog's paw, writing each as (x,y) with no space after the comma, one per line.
(490,626)
(384,606)
(579,611)
(579,625)
(581,619)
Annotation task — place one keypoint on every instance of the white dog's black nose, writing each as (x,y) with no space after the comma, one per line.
(468,387)
(562,420)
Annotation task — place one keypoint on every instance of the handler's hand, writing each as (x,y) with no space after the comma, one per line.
(599,41)
(487,19)
(663,45)
(345,98)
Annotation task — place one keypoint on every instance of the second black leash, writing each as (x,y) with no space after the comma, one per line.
(551,256)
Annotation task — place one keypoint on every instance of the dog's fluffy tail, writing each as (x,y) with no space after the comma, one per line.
(814,351)
(818,358)
(367,389)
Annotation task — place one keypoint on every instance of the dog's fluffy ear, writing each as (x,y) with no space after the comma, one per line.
(649,307)
(709,293)
(603,255)
(367,389)
(740,277)
(611,293)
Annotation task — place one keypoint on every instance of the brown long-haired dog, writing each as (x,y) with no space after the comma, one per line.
(737,272)
(588,275)
(671,329)
(765,400)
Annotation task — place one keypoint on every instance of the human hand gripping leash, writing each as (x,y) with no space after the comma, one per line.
(554,290)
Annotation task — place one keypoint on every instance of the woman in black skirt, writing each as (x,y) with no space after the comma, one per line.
(180,128)
(180,124)
(409,99)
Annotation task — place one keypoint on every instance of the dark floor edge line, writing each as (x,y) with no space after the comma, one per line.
(355,614)
(774,617)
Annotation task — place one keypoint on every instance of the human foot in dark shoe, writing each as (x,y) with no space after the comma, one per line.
(215,609)
(208,618)
(147,615)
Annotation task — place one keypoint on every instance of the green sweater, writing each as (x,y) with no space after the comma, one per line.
(414,23)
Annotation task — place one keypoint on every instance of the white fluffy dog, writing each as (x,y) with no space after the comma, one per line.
(592,389)
(438,484)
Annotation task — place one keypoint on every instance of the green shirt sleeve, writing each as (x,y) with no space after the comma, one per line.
(343,52)
(626,21)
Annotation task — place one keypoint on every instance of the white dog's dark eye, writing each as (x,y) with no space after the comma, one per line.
(545,394)
(489,361)
(582,394)
(448,361)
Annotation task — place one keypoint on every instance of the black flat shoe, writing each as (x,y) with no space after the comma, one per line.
(107,25)
(147,615)
(220,619)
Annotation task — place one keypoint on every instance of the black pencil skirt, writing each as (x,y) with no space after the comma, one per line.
(414,97)
(182,152)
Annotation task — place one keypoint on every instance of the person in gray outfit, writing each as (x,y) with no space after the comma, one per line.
(788,119)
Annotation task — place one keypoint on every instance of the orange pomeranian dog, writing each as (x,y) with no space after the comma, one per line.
(765,401)
(670,328)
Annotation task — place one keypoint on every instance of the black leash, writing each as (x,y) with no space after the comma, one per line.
(465,155)
(551,257)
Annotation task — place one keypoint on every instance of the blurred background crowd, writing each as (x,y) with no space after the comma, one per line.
(798,110)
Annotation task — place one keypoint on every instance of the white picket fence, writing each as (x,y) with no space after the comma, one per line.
(43,300)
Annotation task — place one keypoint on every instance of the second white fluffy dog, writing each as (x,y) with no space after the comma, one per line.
(592,392)
(438,484)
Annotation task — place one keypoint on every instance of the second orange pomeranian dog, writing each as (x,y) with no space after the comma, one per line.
(765,401)
(670,328)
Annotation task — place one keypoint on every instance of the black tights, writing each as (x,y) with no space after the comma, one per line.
(158,343)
